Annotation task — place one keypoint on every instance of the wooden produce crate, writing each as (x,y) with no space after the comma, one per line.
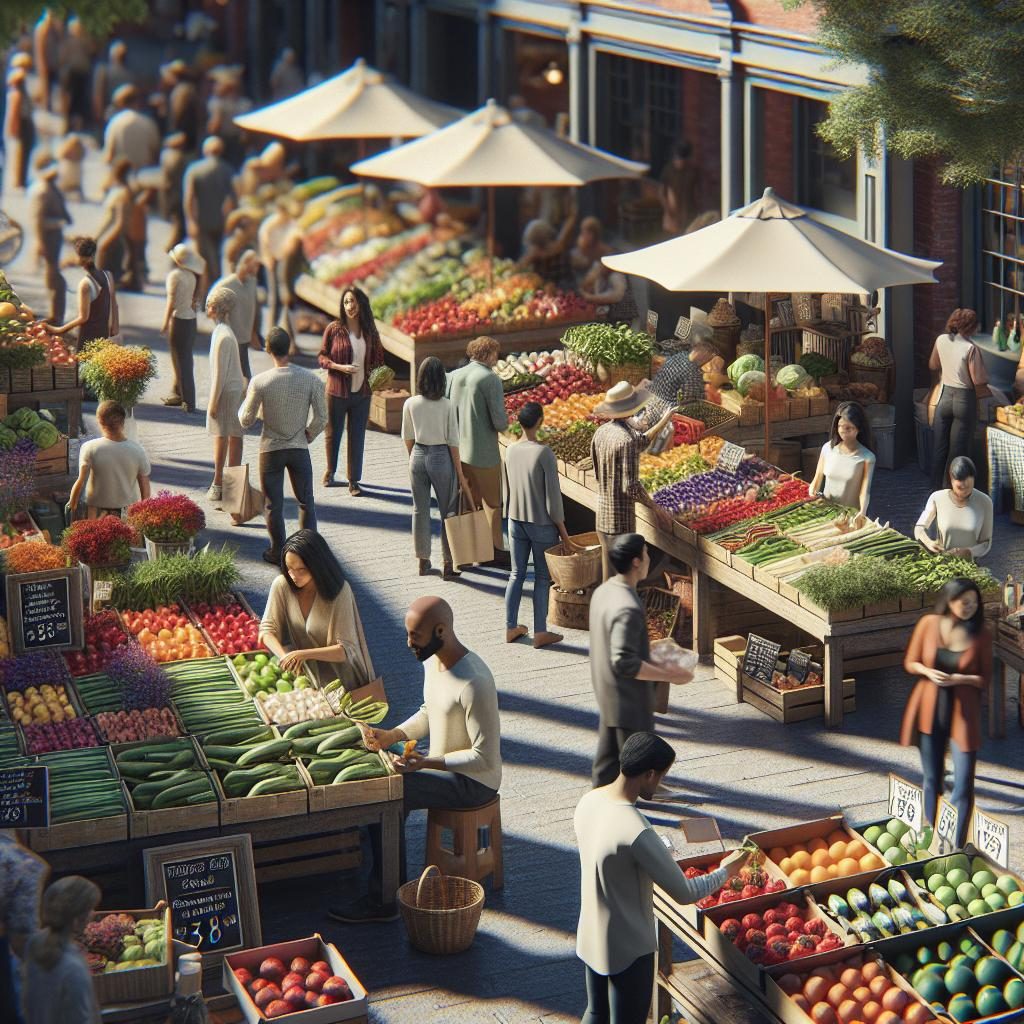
(21,381)
(355,793)
(237,810)
(5,382)
(716,418)
(818,405)
(263,716)
(386,410)
(65,376)
(748,414)
(140,984)
(798,704)
(42,378)
(849,615)
(728,654)
(53,460)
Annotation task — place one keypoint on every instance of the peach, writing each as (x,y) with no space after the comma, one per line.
(838,836)
(850,978)
(862,994)
(296,995)
(837,851)
(816,990)
(816,846)
(872,1011)
(837,995)
(789,983)
(822,1013)
(300,965)
(872,969)
(267,995)
(916,1013)
(848,866)
(871,862)
(856,849)
(849,1010)
(895,1000)
(819,859)
(819,874)
(338,988)
(879,985)
(315,981)
(322,967)
(243,976)
(801,859)
(800,877)
(888,1017)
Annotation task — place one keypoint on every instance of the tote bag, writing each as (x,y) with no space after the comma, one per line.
(240,498)
(469,534)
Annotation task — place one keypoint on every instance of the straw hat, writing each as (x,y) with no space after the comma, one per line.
(187,258)
(622,401)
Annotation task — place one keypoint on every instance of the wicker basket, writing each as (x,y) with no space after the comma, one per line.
(575,570)
(441,913)
(632,372)
(570,608)
(880,376)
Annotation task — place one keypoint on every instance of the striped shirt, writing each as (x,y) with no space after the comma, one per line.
(615,452)
(284,398)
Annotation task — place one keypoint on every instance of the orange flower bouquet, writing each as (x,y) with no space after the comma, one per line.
(119,373)
(33,556)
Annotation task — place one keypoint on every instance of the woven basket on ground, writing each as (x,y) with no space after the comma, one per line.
(441,912)
(575,570)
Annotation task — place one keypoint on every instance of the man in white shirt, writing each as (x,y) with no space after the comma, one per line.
(131,134)
(621,859)
(460,714)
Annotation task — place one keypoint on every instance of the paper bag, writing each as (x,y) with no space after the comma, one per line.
(469,534)
(239,497)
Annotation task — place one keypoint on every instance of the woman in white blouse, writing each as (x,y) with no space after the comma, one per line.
(963,381)
(961,514)
(430,431)
(180,322)
(846,465)
(227,389)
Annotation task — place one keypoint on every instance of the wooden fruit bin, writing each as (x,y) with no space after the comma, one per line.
(355,793)
(794,705)
(386,409)
(141,984)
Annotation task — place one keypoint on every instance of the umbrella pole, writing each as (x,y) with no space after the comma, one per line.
(361,153)
(767,373)
(490,237)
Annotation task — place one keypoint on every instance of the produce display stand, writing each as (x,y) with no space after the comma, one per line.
(1007,653)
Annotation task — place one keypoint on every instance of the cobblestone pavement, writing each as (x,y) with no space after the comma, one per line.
(733,762)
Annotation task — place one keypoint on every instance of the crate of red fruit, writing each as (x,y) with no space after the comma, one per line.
(753,880)
(166,634)
(562,382)
(229,625)
(307,976)
(104,634)
(772,931)
(137,725)
(686,430)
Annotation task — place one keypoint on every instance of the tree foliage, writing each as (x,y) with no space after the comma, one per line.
(98,16)
(947,80)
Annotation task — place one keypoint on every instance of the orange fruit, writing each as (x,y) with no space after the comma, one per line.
(816,844)
(837,851)
(816,989)
(856,849)
(838,836)
(790,984)
(837,995)
(862,993)
(801,859)
(878,984)
(888,1017)
(849,1011)
(819,874)
(895,1000)
(786,865)
(820,859)
(872,1011)
(915,1013)
(777,854)
(848,866)
(871,862)
(800,877)
(850,977)
(833,870)
(822,1013)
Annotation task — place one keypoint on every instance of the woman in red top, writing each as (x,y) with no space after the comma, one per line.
(350,352)
(951,654)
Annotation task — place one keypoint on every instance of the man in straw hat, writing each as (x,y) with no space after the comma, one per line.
(180,322)
(49,215)
(615,452)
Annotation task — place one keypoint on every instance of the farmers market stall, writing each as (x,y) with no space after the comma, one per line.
(1006,468)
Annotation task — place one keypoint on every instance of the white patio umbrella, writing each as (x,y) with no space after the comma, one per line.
(772,246)
(489,148)
(360,103)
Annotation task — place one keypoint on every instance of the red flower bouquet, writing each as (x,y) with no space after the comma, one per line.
(167,518)
(104,541)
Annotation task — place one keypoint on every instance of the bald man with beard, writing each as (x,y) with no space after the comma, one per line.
(460,715)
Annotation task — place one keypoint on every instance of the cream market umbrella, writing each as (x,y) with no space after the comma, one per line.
(360,103)
(772,246)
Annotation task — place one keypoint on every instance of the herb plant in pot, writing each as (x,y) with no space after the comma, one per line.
(169,522)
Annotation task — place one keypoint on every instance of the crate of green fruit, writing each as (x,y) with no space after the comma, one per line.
(281,697)
(895,842)
(261,792)
(966,886)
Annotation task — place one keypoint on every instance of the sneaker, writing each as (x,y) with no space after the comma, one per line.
(171,400)
(363,911)
(215,493)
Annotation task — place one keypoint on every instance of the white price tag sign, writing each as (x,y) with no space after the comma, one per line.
(102,590)
(906,803)
(730,457)
(947,823)
(682,327)
(992,837)
(652,323)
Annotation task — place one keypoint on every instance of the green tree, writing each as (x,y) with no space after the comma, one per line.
(947,80)
(98,16)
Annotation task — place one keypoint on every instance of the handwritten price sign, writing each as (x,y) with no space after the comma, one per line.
(992,838)
(906,803)
(947,825)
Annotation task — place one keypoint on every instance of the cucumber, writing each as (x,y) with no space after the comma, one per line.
(282,784)
(176,795)
(238,735)
(224,753)
(262,752)
(340,740)
(354,772)
(306,728)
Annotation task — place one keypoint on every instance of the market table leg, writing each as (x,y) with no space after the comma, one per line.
(703,622)
(997,700)
(833,669)
(391,837)
(662,1001)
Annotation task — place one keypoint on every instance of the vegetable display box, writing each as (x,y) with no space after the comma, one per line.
(237,810)
(332,796)
(386,409)
(124,983)
(53,460)
(341,996)
(786,703)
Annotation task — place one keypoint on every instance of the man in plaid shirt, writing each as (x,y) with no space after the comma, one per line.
(615,452)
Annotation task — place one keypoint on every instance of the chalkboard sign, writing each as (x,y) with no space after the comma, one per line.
(760,657)
(210,887)
(25,797)
(798,665)
(44,610)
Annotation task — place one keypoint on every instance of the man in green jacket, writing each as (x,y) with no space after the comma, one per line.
(475,391)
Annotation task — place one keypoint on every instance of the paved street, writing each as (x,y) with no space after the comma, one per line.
(733,762)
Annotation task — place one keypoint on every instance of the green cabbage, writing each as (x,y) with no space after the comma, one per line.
(44,435)
(792,377)
(8,438)
(748,380)
(743,365)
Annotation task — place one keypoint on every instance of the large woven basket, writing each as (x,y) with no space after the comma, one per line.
(441,913)
(575,570)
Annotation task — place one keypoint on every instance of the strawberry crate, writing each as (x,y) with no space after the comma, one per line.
(702,864)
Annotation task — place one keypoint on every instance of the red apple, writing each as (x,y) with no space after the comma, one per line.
(291,979)
(243,976)
(267,995)
(315,981)
(258,985)
(336,986)
(278,1008)
(311,998)
(325,1000)
(272,969)
(300,965)
(296,995)
(322,967)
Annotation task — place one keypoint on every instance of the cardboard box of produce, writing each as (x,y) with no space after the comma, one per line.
(136,984)
(239,809)
(314,951)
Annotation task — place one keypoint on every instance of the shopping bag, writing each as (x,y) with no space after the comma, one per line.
(239,497)
(469,534)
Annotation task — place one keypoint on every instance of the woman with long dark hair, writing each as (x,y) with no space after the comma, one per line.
(846,465)
(950,652)
(351,350)
(311,621)
(98,315)
(963,380)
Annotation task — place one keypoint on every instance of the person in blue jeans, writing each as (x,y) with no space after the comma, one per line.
(536,521)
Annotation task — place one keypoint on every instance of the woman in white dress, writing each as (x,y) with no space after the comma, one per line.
(227,389)
(846,465)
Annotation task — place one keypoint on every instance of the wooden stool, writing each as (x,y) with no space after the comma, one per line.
(466,857)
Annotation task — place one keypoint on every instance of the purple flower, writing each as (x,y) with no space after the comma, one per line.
(17,478)
(142,682)
(35,668)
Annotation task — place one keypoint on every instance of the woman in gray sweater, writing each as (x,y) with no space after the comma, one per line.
(536,520)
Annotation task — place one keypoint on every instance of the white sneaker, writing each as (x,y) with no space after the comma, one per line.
(215,493)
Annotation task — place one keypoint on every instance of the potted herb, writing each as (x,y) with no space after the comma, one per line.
(99,543)
(611,351)
(168,521)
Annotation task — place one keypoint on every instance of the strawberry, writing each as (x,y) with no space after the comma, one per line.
(749,892)
(815,927)
(795,924)
(730,928)
(771,917)
(787,910)
(774,930)
(752,921)
(755,937)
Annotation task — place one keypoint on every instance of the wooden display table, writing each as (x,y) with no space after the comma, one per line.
(1004,655)
(71,397)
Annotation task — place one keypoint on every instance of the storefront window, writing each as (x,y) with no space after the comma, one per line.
(537,70)
(1002,240)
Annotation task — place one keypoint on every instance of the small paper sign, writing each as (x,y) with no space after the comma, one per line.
(992,838)
(102,591)
(652,323)
(682,327)
(798,665)
(947,823)
(906,803)
(730,456)
(760,657)
(701,830)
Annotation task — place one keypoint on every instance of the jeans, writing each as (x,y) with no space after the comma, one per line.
(431,468)
(527,538)
(300,473)
(355,409)
(243,359)
(420,791)
(956,416)
(933,763)
(622,998)
(181,342)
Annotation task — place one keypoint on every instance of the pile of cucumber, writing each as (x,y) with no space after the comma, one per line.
(251,761)
(162,775)
(83,785)
(99,693)
(207,698)
(335,751)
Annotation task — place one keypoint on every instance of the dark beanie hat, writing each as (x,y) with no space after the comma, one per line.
(624,549)
(645,752)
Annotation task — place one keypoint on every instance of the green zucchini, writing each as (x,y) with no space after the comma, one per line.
(354,772)
(271,750)
(177,795)
(340,740)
